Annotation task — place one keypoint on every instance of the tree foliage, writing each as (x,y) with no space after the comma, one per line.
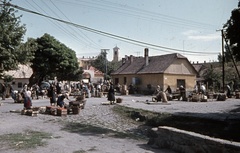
(53,58)
(233,33)
(102,64)
(212,76)
(11,36)
(227,56)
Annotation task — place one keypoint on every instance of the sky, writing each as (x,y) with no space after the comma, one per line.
(188,27)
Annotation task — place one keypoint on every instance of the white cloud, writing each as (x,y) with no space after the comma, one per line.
(195,35)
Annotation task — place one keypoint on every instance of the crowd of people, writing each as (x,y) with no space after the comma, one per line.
(57,91)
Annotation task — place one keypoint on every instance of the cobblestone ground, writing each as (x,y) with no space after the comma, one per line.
(64,141)
(102,116)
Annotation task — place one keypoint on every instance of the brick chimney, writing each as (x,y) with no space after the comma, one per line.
(146,56)
(123,61)
(131,58)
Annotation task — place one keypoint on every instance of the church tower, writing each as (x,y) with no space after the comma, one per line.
(115,54)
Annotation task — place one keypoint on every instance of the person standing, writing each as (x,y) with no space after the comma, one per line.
(228,91)
(37,90)
(58,87)
(27,100)
(12,93)
(168,90)
(111,94)
(3,91)
(52,95)
(182,93)
(203,89)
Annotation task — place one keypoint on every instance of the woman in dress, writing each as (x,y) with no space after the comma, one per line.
(111,94)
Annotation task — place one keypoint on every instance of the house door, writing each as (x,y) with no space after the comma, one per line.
(116,81)
(181,82)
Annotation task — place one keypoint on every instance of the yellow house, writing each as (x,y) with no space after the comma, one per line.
(171,69)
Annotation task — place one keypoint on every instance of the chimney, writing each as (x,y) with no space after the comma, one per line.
(131,58)
(146,56)
(123,61)
(126,57)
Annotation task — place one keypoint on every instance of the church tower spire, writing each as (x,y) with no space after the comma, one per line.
(115,54)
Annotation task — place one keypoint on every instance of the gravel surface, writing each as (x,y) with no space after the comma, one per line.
(95,114)
(63,141)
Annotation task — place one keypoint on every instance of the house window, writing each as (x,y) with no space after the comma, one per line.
(19,84)
(13,83)
(181,82)
(125,80)
(116,81)
(136,81)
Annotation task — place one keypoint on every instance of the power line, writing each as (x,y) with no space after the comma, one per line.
(88,39)
(136,42)
(140,13)
(61,27)
(57,25)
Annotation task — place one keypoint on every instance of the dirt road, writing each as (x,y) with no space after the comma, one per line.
(96,129)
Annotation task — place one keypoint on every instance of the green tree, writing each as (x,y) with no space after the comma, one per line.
(54,59)
(11,36)
(232,33)
(212,77)
(227,56)
(102,64)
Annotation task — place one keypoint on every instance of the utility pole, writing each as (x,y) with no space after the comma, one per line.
(105,53)
(229,50)
(223,61)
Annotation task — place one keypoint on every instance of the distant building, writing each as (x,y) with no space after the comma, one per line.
(93,75)
(171,69)
(85,63)
(20,76)
(115,54)
(90,74)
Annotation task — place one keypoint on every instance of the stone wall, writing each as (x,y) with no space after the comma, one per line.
(188,142)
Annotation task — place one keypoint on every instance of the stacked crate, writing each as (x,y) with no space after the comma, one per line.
(52,110)
(61,111)
(75,109)
(29,112)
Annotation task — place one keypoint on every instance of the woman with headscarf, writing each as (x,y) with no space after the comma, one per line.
(27,100)
(111,94)
(52,94)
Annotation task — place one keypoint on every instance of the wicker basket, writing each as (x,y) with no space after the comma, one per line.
(119,100)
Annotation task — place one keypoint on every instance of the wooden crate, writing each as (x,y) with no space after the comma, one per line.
(52,110)
(75,110)
(237,95)
(195,98)
(24,112)
(221,97)
(31,113)
(74,103)
(61,112)
(83,103)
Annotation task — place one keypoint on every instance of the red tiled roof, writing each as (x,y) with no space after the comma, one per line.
(96,71)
